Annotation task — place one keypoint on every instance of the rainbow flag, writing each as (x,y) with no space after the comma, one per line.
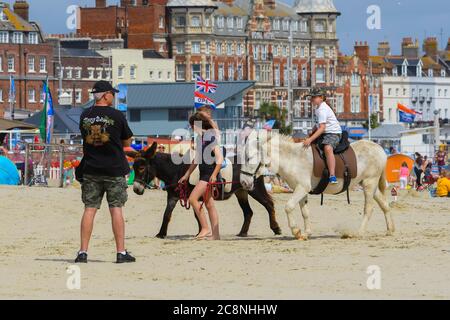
(47,117)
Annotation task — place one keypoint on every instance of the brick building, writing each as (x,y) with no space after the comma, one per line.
(359,84)
(77,68)
(249,40)
(140,23)
(25,56)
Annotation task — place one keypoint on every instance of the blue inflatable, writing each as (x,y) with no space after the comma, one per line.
(8,173)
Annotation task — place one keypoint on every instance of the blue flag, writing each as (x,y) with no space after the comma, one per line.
(406,117)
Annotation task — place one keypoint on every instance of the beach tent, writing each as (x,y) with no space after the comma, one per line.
(8,173)
(393,166)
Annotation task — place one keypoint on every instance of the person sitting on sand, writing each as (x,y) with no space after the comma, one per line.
(443,185)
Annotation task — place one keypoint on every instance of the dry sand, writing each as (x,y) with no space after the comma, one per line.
(40,235)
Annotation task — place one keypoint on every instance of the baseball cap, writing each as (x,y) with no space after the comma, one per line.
(103,86)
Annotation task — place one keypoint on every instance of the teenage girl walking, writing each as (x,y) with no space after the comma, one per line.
(209,158)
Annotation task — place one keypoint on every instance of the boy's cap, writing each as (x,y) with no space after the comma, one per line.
(103,86)
(317,92)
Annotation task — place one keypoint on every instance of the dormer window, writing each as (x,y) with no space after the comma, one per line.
(220,22)
(4,37)
(404,69)
(181,21)
(240,23)
(230,22)
(430,73)
(276,24)
(304,26)
(285,25)
(443,73)
(319,26)
(18,37)
(33,38)
(3,16)
(195,21)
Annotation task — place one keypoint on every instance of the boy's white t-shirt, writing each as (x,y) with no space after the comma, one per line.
(325,114)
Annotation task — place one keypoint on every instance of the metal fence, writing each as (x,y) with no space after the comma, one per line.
(50,165)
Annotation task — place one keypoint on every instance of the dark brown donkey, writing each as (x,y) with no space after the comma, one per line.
(149,164)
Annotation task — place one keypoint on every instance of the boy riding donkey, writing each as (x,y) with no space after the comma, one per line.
(328,133)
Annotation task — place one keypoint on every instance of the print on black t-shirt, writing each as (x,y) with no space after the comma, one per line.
(103,130)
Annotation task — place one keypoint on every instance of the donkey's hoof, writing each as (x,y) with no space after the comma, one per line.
(277,231)
(301,237)
(390,233)
(242,235)
(160,236)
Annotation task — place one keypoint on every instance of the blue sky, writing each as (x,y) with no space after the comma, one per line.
(399,18)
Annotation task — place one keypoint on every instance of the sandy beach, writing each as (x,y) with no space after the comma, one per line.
(40,236)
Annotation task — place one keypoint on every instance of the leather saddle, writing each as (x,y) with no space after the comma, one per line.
(346,165)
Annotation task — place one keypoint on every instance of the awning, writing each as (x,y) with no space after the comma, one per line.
(10,124)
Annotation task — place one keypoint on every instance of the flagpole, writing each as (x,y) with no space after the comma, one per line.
(12,97)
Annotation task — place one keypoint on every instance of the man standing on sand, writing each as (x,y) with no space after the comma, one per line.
(329,130)
(105,133)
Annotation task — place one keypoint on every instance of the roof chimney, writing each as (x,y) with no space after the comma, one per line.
(410,49)
(362,50)
(384,49)
(100,3)
(431,47)
(22,9)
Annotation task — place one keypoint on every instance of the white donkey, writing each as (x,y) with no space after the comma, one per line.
(294,163)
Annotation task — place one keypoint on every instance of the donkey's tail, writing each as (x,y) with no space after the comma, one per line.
(382,186)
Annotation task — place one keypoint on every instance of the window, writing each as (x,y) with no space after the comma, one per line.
(161,22)
(69,73)
(286,75)
(230,22)
(339,103)
(160,75)
(150,74)
(355,80)
(78,96)
(208,47)
(443,73)
(355,104)
(302,52)
(258,73)
(43,64)
(181,72)
(219,48)
(3,16)
(208,71)
(264,52)
(255,52)
(240,72)
(221,72)
(1,63)
(195,21)
(230,49)
(284,51)
(4,37)
(430,73)
(295,25)
(181,115)
(78,73)
(276,24)
(239,23)
(135,115)
(133,72)
(395,72)
(161,47)
(17,37)
(277,75)
(286,25)
(304,26)
(181,21)
(32,38)
(31,95)
(320,75)
(295,75)
(207,21)
(1,95)
(180,47)
(196,47)
(230,72)
(196,71)
(319,26)
(31,67)
(120,72)
(220,22)
(320,52)
(169,75)
(239,49)
(11,67)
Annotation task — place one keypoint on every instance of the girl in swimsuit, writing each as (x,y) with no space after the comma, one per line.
(209,158)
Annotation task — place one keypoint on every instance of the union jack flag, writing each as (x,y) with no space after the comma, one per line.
(205,86)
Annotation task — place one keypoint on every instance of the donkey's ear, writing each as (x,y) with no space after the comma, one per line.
(150,153)
(132,154)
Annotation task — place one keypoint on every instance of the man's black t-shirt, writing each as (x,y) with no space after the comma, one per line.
(103,129)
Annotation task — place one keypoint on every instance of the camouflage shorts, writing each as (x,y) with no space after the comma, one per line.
(330,139)
(94,188)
